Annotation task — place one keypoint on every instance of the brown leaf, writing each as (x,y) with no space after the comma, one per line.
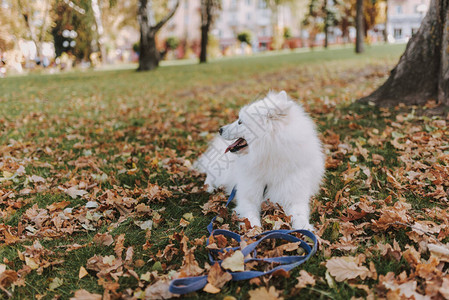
(159,290)
(263,294)
(85,295)
(190,266)
(304,279)
(281,273)
(444,289)
(103,239)
(343,268)
(429,269)
(217,276)
(57,206)
(412,256)
(7,276)
(119,245)
(211,289)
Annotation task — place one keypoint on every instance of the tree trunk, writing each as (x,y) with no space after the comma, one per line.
(100,29)
(204,41)
(359,27)
(27,14)
(423,70)
(443,76)
(206,20)
(326,25)
(149,55)
(386,23)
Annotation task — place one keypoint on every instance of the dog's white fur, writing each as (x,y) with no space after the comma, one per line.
(284,158)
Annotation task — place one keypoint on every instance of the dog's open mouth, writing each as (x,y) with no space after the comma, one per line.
(238,145)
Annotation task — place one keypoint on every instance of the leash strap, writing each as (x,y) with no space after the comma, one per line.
(286,263)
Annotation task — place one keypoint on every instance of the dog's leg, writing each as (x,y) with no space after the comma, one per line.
(249,203)
(300,212)
(295,203)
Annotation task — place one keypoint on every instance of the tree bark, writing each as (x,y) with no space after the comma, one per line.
(149,55)
(27,14)
(100,29)
(204,42)
(359,48)
(423,70)
(386,23)
(443,78)
(206,20)
(326,25)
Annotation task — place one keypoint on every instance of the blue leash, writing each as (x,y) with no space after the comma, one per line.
(287,263)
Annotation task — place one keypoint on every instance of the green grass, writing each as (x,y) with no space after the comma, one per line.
(123,119)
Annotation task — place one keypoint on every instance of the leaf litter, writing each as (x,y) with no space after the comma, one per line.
(384,202)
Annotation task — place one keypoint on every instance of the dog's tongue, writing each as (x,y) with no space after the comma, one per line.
(235,144)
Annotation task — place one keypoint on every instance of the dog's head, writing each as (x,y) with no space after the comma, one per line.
(256,120)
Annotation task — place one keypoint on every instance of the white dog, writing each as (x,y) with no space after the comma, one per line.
(271,152)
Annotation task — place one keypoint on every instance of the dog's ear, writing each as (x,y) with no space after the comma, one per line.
(280,105)
(282,96)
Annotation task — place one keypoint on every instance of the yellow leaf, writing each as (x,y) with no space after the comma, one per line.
(209,288)
(57,282)
(20,254)
(82,272)
(188,216)
(235,262)
(31,263)
(7,174)
(146,276)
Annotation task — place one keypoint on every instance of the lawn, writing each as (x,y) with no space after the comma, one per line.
(97,192)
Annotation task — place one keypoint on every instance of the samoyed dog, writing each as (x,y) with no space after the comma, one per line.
(271,152)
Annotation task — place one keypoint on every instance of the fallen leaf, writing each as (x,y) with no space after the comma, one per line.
(82,272)
(235,262)
(74,192)
(104,239)
(30,262)
(444,289)
(159,290)
(263,294)
(85,295)
(57,282)
(144,225)
(217,276)
(35,178)
(343,268)
(304,279)
(211,289)
(440,251)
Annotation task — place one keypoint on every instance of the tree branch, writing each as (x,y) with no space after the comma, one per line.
(166,18)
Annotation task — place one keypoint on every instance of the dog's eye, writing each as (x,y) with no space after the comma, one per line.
(240,122)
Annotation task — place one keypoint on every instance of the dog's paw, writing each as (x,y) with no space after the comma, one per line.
(303,225)
(252,222)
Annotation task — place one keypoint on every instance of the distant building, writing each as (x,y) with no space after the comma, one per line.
(404,18)
(235,16)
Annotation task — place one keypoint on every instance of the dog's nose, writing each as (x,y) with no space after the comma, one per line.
(220,131)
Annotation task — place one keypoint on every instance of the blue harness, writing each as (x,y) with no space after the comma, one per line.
(286,263)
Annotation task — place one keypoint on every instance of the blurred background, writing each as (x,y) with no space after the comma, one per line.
(51,36)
